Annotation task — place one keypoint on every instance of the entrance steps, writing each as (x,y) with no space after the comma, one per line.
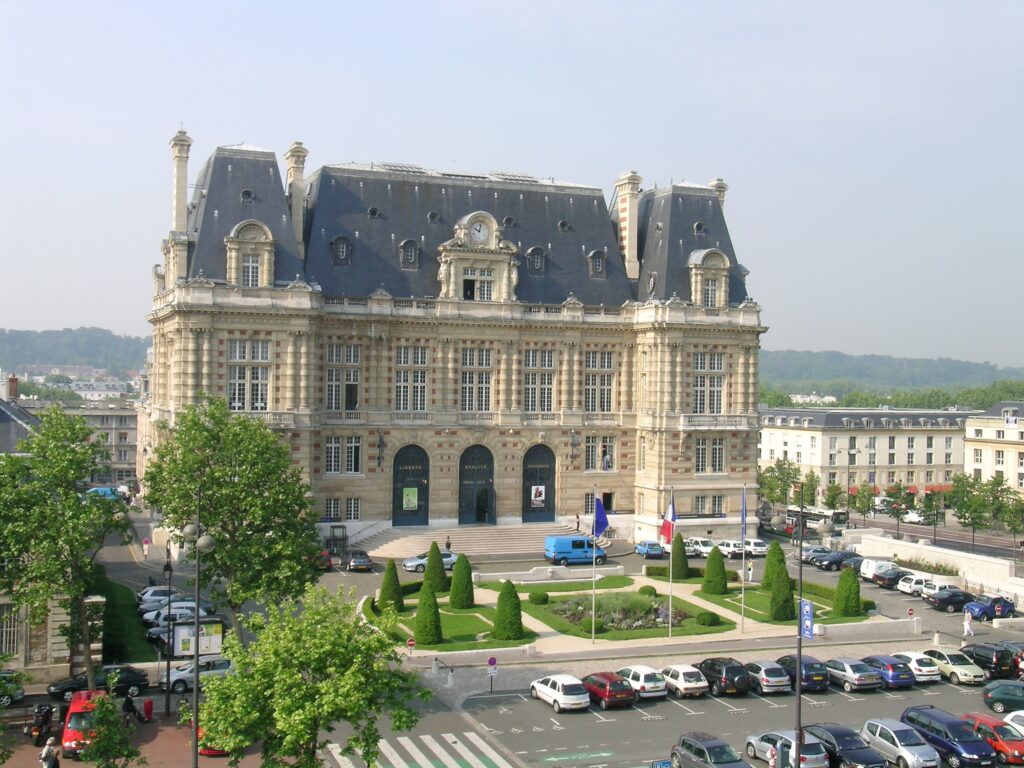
(407,541)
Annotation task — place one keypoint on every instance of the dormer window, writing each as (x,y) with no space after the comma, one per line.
(710,292)
(563,226)
(250,271)
(535,261)
(409,253)
(477,284)
(341,252)
(596,260)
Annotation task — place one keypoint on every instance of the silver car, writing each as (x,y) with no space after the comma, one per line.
(899,744)
(768,677)
(812,755)
(419,563)
(182,677)
(852,674)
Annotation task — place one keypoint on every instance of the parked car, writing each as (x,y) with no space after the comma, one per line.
(889,579)
(995,660)
(10,689)
(900,744)
(130,680)
(912,584)
(949,600)
(568,550)
(684,680)
(937,585)
(419,563)
(149,594)
(177,603)
(895,673)
(833,561)
(608,689)
(852,674)
(987,607)
(701,750)
(647,682)
(845,747)
(731,548)
(355,560)
(869,567)
(1004,696)
(702,547)
(561,692)
(725,675)
(755,547)
(78,723)
(924,668)
(1005,739)
(853,563)
(956,667)
(182,676)
(163,617)
(955,742)
(811,552)
(768,677)
(322,560)
(812,753)
(1016,719)
(651,550)
(814,676)
(816,559)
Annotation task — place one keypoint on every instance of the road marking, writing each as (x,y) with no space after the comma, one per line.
(389,752)
(815,703)
(441,752)
(726,704)
(487,749)
(893,696)
(771,704)
(601,718)
(849,696)
(925,691)
(463,750)
(342,760)
(558,726)
(410,746)
(683,706)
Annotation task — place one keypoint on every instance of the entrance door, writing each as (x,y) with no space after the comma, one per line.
(539,485)
(476,486)
(410,490)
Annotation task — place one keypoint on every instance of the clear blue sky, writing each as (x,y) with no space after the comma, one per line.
(873,149)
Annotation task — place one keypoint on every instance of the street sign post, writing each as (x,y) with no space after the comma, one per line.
(910,613)
(145,547)
(410,644)
(807,619)
(492,671)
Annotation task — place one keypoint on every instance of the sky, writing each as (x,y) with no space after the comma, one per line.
(872,149)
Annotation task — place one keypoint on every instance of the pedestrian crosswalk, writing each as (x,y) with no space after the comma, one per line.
(446,750)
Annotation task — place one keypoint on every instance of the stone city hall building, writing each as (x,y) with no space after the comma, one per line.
(455,349)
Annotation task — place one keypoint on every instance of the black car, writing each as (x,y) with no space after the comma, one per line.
(994,659)
(889,579)
(949,600)
(702,750)
(130,680)
(854,563)
(725,675)
(845,747)
(355,560)
(815,675)
(833,561)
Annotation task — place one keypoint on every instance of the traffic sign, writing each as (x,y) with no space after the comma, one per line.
(492,662)
(910,612)
(411,642)
(661,764)
(492,671)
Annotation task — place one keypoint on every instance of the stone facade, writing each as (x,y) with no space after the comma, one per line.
(994,445)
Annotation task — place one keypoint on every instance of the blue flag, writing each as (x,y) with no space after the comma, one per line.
(600,518)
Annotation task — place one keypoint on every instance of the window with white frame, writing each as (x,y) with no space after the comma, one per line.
(642,454)
(538,380)
(342,377)
(597,382)
(1020,459)
(8,629)
(352,509)
(411,379)
(599,452)
(949,443)
(332,455)
(977,456)
(250,271)
(476,380)
(832,478)
(814,442)
(332,509)
(949,458)
(700,505)
(910,475)
(910,443)
(891,476)
(710,292)
(929,476)
(353,454)
(1000,458)
(1020,479)
(833,443)
(718,454)
(122,455)
(477,283)
(910,458)
(707,388)
(248,385)
(1000,434)
(718,506)
(588,504)
(700,455)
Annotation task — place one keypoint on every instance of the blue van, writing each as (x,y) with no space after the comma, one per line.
(564,550)
(951,737)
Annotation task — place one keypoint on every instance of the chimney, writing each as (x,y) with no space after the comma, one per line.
(12,388)
(296,159)
(179,209)
(720,188)
(627,189)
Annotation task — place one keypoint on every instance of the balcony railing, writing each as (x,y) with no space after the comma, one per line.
(692,421)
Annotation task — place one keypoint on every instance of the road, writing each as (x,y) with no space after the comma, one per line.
(951,536)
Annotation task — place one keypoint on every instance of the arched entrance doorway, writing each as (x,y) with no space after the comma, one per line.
(410,489)
(476,486)
(539,485)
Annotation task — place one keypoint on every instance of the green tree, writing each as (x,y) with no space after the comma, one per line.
(847,597)
(461,595)
(428,617)
(50,530)
(768,485)
(808,493)
(309,666)
(238,477)
(774,565)
(834,496)
(781,606)
(970,506)
(7,690)
(932,512)
(112,746)
(898,507)
(864,501)
(508,619)
(679,564)
(1011,515)
(715,582)
(435,574)
(390,590)
(788,475)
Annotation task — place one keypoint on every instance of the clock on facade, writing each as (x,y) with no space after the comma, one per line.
(479,232)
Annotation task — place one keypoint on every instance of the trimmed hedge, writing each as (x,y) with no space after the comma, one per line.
(680,565)
(391,591)
(715,581)
(648,590)
(708,619)
(508,619)
(829,593)
(539,598)
(661,571)
(427,630)
(461,594)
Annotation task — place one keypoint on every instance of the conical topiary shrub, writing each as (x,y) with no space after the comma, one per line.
(679,564)
(715,582)
(435,574)
(774,562)
(782,608)
(508,620)
(847,599)
(461,594)
(428,618)
(391,590)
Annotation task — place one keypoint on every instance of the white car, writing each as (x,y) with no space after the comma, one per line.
(155,593)
(181,676)
(1016,719)
(648,682)
(931,587)
(912,585)
(924,667)
(177,605)
(731,548)
(166,618)
(561,692)
(684,680)
(703,547)
(755,547)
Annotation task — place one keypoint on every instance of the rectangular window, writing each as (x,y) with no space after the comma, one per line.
(352,509)
(929,476)
(929,458)
(237,349)
(949,458)
(333,389)
(1000,434)
(588,504)
(949,443)
(1020,460)
(710,292)
(332,455)
(332,509)
(852,458)
(122,455)
(872,443)
(700,361)
(718,506)
(929,442)
(1000,458)
(977,433)
(910,443)
(8,629)
(700,455)
(871,459)
(892,477)
(832,478)
(718,454)
(892,442)
(814,442)
(122,421)
(597,387)
(853,479)
(852,442)
(832,460)
(341,390)
(250,271)
(248,386)
(642,454)
(910,475)
(833,443)
(910,458)
(700,505)
(353,449)
(476,384)
(947,475)
(892,458)
(237,387)
(977,455)
(599,452)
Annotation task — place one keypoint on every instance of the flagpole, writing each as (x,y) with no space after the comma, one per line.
(593,575)
(672,508)
(743,561)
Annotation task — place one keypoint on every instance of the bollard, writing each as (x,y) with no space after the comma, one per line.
(935,638)
(450,682)
(434,667)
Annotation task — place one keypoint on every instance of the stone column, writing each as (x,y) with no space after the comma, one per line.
(452,375)
(577,377)
(517,384)
(294,339)
(209,361)
(626,379)
(306,369)
(565,376)
(680,378)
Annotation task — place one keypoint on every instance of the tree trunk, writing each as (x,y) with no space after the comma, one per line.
(86,639)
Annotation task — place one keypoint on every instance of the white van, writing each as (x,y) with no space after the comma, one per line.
(868,568)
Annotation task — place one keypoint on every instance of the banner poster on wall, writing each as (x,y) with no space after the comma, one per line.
(410,498)
(537,496)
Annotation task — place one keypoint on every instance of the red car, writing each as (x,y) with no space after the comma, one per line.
(1006,740)
(78,730)
(608,689)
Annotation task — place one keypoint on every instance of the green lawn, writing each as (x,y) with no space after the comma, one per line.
(758,605)
(459,626)
(687,627)
(524,588)
(124,634)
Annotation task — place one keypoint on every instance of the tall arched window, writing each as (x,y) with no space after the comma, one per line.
(341,251)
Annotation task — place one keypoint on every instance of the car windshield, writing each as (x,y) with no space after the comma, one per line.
(813,748)
(983,599)
(961,733)
(909,738)
(733,670)
(722,753)
(814,668)
(850,741)
(900,668)
(693,677)
(619,685)
(574,689)
(958,659)
(924,661)
(1009,732)
(80,721)
(774,672)
(654,677)
(860,669)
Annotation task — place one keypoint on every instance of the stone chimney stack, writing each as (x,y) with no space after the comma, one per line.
(627,188)
(179,209)
(720,188)
(12,388)
(296,159)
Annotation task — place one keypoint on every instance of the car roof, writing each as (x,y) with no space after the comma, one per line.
(563,678)
(845,660)
(610,676)
(981,717)
(835,728)
(939,714)
(765,662)
(640,668)
(885,658)
(703,737)
(683,667)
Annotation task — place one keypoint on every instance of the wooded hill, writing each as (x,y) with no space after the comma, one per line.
(96,347)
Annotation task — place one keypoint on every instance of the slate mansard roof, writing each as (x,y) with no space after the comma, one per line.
(378,207)
(863,418)
(15,425)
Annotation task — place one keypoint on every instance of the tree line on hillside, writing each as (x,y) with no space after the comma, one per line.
(980,398)
(96,347)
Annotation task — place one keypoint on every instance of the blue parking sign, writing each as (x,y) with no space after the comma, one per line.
(807,619)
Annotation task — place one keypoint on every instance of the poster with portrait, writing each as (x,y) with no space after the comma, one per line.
(538,494)
(410,499)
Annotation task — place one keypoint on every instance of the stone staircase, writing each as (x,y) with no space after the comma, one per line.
(407,541)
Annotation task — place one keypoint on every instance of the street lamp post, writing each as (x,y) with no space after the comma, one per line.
(201,543)
(799,740)
(168,572)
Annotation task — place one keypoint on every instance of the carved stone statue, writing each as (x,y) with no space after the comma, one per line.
(444,273)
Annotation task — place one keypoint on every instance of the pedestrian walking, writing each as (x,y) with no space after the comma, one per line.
(750,571)
(577,522)
(448,543)
(48,757)
(968,629)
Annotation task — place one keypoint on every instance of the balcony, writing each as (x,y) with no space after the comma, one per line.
(717,421)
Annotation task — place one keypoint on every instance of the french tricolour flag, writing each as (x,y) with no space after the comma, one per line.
(668,524)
